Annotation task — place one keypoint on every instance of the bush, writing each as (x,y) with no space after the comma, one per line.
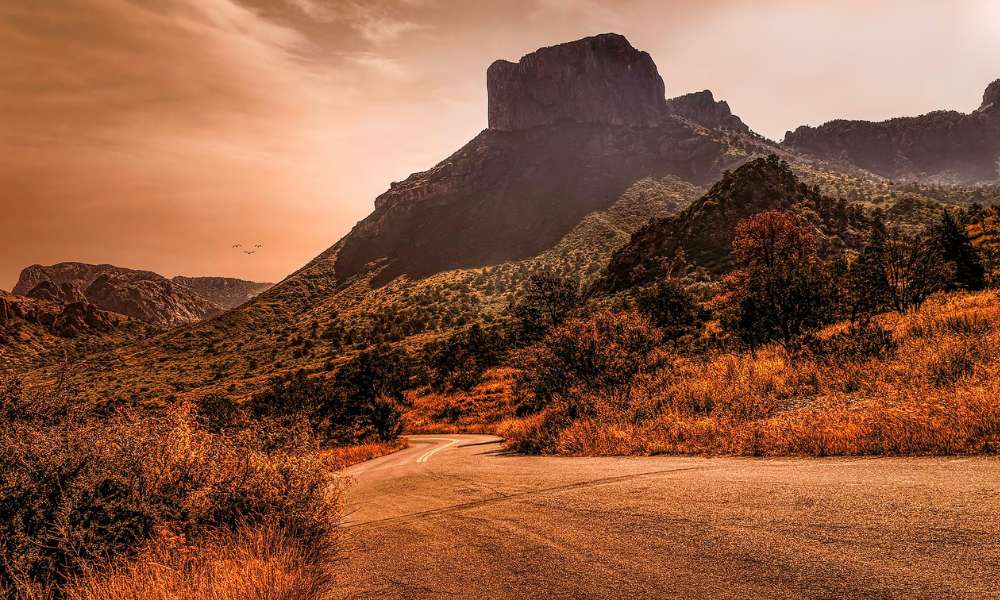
(84,492)
(218,413)
(360,402)
(603,352)
(670,308)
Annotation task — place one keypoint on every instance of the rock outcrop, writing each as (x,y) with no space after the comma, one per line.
(71,320)
(60,293)
(991,97)
(703,109)
(600,79)
(942,146)
(142,295)
(570,128)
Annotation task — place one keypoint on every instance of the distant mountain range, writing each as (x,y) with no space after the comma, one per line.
(943,146)
(585,169)
(141,295)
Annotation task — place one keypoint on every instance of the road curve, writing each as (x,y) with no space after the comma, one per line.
(453,516)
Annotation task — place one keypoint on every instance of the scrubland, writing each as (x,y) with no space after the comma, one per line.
(923,382)
(103,503)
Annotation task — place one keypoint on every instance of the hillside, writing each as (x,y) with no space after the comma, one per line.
(33,330)
(702,234)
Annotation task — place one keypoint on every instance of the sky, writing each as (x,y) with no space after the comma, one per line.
(155,134)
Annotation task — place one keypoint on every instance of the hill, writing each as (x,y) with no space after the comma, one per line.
(702,234)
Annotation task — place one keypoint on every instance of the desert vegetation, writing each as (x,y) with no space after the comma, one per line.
(215,499)
(887,351)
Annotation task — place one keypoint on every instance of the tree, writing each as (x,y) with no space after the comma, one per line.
(459,361)
(957,248)
(602,353)
(896,271)
(781,290)
(546,301)
(670,307)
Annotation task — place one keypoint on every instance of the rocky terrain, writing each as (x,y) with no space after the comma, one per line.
(227,292)
(943,146)
(33,328)
(141,295)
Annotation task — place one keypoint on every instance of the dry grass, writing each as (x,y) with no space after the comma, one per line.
(345,456)
(476,411)
(88,495)
(260,563)
(938,393)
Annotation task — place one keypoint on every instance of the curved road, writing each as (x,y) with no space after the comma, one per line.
(453,516)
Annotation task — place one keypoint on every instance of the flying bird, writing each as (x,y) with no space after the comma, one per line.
(258,245)
(237,245)
(249,251)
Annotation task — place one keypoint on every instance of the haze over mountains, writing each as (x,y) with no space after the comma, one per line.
(582,149)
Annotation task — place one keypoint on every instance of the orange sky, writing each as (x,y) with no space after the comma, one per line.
(154,134)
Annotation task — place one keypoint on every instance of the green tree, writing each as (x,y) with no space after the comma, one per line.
(957,248)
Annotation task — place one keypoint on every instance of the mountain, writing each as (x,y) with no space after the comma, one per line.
(703,232)
(570,128)
(227,292)
(582,149)
(942,146)
(142,295)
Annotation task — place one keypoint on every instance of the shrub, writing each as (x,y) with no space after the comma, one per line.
(87,491)
(952,362)
(545,302)
(358,403)
(670,308)
(603,352)
(218,413)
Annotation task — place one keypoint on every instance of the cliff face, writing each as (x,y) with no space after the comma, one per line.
(945,146)
(600,79)
(142,295)
(571,127)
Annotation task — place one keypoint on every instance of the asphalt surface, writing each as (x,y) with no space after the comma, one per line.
(453,516)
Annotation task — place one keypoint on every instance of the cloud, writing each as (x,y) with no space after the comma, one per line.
(376,22)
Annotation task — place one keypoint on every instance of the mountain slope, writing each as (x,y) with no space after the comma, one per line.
(33,328)
(571,127)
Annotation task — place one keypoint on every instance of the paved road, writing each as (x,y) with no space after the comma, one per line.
(454,517)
